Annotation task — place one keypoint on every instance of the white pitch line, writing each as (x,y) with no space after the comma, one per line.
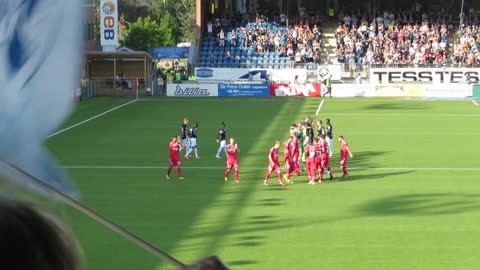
(404,114)
(86,167)
(320,107)
(474,102)
(90,119)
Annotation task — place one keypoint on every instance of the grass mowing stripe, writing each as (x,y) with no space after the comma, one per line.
(259,168)
(90,119)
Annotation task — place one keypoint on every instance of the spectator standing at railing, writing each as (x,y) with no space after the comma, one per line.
(233,38)
(221,38)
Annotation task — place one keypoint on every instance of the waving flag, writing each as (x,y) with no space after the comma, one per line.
(40,53)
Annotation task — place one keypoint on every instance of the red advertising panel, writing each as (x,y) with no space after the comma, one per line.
(298,90)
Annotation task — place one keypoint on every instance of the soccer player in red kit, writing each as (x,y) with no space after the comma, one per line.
(318,160)
(311,167)
(296,153)
(344,154)
(174,147)
(325,158)
(274,164)
(288,159)
(232,161)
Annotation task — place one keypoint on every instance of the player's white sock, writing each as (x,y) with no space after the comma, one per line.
(219,151)
(196,152)
(225,150)
(189,151)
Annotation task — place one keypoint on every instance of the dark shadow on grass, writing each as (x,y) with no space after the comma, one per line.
(272,202)
(397,106)
(363,158)
(371,176)
(249,244)
(262,217)
(423,204)
(241,262)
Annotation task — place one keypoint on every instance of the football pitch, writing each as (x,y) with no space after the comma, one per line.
(412,200)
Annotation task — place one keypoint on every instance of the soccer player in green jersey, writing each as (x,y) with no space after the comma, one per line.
(300,136)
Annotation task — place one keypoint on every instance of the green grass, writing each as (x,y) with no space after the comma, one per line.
(392,213)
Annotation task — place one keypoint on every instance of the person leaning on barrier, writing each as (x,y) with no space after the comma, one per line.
(32,241)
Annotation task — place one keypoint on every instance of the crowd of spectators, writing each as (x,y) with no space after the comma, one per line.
(468,51)
(300,40)
(429,38)
(391,38)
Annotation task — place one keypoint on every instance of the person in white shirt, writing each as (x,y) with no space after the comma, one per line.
(380,20)
(221,36)
(210,29)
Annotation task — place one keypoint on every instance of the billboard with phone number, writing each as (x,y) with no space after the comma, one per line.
(243,90)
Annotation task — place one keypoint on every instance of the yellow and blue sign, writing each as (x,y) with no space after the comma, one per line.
(109,22)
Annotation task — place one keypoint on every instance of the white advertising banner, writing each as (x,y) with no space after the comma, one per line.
(448,91)
(424,75)
(108,22)
(258,74)
(352,90)
(192,90)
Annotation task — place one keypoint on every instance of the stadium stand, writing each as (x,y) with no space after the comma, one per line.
(261,44)
(394,38)
(406,38)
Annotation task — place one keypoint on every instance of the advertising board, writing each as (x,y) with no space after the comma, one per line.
(298,90)
(243,90)
(192,90)
(424,75)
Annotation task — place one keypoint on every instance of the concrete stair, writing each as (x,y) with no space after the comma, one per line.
(328,54)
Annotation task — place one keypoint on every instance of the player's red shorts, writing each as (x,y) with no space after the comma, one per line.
(174,161)
(288,162)
(343,161)
(232,163)
(318,163)
(325,160)
(310,163)
(274,167)
(295,156)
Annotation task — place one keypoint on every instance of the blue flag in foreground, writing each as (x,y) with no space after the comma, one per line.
(40,53)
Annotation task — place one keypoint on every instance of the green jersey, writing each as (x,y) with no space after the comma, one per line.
(299,136)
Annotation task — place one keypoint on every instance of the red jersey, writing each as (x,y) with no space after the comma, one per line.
(318,152)
(344,151)
(174,150)
(273,154)
(232,152)
(295,145)
(311,151)
(324,148)
(287,151)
